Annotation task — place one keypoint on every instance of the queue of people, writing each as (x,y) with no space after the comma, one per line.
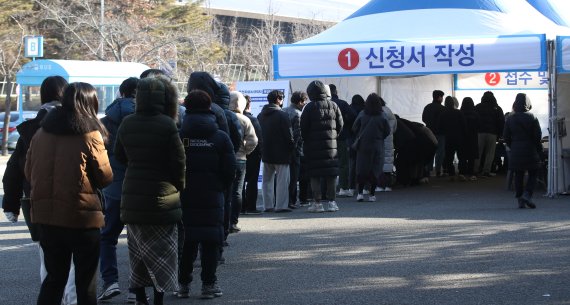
(180,176)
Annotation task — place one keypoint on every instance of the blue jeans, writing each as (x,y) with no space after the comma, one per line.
(109,237)
(237,199)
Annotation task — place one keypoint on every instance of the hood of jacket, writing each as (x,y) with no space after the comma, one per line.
(317,91)
(522,103)
(489,97)
(61,122)
(237,102)
(199,123)
(222,96)
(203,81)
(120,108)
(151,97)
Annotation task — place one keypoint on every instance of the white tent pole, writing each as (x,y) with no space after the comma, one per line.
(552,126)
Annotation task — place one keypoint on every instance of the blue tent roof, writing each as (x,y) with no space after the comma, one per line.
(546,8)
(434,19)
(376,7)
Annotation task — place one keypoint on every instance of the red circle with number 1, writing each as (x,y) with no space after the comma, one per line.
(348,58)
(492,79)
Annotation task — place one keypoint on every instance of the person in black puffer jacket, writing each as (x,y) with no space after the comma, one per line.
(348,117)
(252,166)
(492,121)
(220,95)
(278,147)
(357,105)
(468,150)
(451,124)
(522,135)
(321,123)
(210,169)
(430,117)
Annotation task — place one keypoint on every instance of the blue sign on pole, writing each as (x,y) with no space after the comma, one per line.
(33,46)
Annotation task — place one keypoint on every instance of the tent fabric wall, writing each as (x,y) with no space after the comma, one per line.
(407,96)
(346,86)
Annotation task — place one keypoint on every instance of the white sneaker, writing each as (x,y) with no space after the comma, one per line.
(387,189)
(316,208)
(350,193)
(365,192)
(359,197)
(372,199)
(342,193)
(379,189)
(332,207)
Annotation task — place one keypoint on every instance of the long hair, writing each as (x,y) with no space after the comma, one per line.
(52,89)
(467,105)
(373,104)
(81,104)
(357,100)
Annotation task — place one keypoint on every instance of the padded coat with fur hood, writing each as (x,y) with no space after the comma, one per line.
(148,142)
(66,164)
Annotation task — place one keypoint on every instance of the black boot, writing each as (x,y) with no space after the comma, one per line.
(526,197)
(521,203)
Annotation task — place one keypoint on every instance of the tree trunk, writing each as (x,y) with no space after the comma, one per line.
(8,105)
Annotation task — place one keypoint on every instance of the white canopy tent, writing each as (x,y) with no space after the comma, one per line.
(399,39)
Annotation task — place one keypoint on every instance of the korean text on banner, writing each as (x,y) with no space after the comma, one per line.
(503,53)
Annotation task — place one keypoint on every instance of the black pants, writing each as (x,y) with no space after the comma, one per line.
(208,260)
(252,166)
(520,188)
(294,170)
(59,245)
(305,192)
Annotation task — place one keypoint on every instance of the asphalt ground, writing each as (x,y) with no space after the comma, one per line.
(440,243)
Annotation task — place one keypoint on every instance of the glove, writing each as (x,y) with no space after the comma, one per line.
(13,218)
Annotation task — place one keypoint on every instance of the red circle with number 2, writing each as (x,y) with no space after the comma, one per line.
(492,79)
(348,59)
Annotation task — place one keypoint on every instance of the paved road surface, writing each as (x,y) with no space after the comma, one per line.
(442,243)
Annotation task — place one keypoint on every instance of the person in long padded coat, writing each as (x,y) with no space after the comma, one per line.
(321,123)
(522,135)
(385,182)
(210,168)
(451,124)
(371,128)
(357,105)
(149,143)
(469,148)
(220,95)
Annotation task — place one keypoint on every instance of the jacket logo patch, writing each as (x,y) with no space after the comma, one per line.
(196,143)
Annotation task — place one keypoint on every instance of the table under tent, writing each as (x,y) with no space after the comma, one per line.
(405,49)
